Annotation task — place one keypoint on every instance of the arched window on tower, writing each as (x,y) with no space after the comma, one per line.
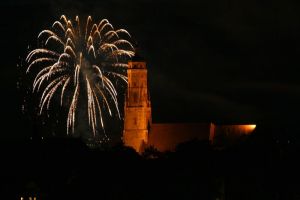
(135,97)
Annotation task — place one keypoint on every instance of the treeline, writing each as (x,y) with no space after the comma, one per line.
(264,165)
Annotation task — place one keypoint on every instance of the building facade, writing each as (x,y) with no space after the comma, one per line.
(137,115)
(139,131)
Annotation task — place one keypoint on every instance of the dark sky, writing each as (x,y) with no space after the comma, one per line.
(225,61)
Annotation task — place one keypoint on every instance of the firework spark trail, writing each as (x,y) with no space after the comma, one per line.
(89,57)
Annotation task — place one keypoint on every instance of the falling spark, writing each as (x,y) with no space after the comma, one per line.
(83,59)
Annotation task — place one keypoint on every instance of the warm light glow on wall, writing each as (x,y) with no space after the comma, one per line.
(251,126)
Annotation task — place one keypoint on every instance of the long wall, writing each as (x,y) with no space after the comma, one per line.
(166,136)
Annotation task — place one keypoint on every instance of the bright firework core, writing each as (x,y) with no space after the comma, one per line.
(80,62)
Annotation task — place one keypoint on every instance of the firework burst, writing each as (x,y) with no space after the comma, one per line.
(83,59)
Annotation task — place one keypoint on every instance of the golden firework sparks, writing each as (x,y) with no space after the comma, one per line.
(89,61)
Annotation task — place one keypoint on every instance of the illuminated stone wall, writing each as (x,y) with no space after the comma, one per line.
(137,115)
(165,136)
(228,134)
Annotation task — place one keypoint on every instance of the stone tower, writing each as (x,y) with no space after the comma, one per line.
(137,115)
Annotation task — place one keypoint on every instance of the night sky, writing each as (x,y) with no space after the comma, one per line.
(224,61)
